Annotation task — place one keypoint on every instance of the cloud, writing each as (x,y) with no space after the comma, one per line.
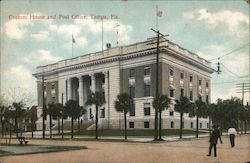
(22,85)
(232,19)
(40,57)
(41,35)
(65,30)
(109,26)
(17,28)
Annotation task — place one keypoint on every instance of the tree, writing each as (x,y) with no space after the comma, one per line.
(8,116)
(54,110)
(2,110)
(97,99)
(19,113)
(123,104)
(32,115)
(72,110)
(200,111)
(183,106)
(161,102)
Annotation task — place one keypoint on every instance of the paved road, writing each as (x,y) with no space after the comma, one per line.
(175,151)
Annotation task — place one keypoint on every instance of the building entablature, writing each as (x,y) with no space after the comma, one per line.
(123,53)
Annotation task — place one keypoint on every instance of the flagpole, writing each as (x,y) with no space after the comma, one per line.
(156,18)
(102,35)
(72,45)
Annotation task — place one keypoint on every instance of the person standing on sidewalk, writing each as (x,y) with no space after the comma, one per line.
(215,135)
(232,133)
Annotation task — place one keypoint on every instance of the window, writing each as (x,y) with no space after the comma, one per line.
(171,113)
(171,71)
(207,99)
(132,110)
(90,114)
(146,124)
(131,125)
(53,99)
(102,113)
(172,124)
(191,95)
(132,73)
(132,91)
(53,86)
(191,125)
(171,93)
(182,92)
(200,81)
(200,125)
(146,90)
(147,71)
(191,78)
(182,75)
(207,84)
(207,125)
(147,109)
(200,98)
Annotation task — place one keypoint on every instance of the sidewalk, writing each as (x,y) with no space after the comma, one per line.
(189,151)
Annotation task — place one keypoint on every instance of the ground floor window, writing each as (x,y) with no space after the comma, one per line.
(146,124)
(172,124)
(131,124)
(191,125)
(207,125)
(103,113)
(200,125)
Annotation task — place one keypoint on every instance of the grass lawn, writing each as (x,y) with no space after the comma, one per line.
(145,132)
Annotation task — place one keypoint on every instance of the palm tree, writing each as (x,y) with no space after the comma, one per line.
(98,99)
(2,110)
(72,110)
(183,106)
(200,111)
(19,113)
(123,103)
(161,102)
(32,115)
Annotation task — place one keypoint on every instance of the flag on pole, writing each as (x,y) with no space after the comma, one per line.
(73,39)
(159,13)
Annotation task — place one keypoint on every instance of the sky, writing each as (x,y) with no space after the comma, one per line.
(210,29)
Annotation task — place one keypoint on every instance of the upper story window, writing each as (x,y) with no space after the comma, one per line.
(132,110)
(191,78)
(200,81)
(147,71)
(191,95)
(53,86)
(207,84)
(132,73)
(171,113)
(182,75)
(132,91)
(171,71)
(146,90)
(182,92)
(147,109)
(171,93)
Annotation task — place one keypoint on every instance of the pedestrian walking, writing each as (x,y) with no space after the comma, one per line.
(215,135)
(232,133)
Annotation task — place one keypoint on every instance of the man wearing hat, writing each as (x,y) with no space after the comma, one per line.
(215,135)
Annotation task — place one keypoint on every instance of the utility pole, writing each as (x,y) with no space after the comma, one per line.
(243,88)
(43,107)
(157,83)
(62,115)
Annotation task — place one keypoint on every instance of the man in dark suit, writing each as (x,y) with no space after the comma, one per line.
(215,135)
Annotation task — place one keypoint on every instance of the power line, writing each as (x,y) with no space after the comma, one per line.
(230,71)
(239,48)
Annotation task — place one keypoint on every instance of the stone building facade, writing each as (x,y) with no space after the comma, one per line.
(129,69)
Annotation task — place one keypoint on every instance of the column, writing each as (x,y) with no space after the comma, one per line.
(92,82)
(93,91)
(106,89)
(80,90)
(69,89)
